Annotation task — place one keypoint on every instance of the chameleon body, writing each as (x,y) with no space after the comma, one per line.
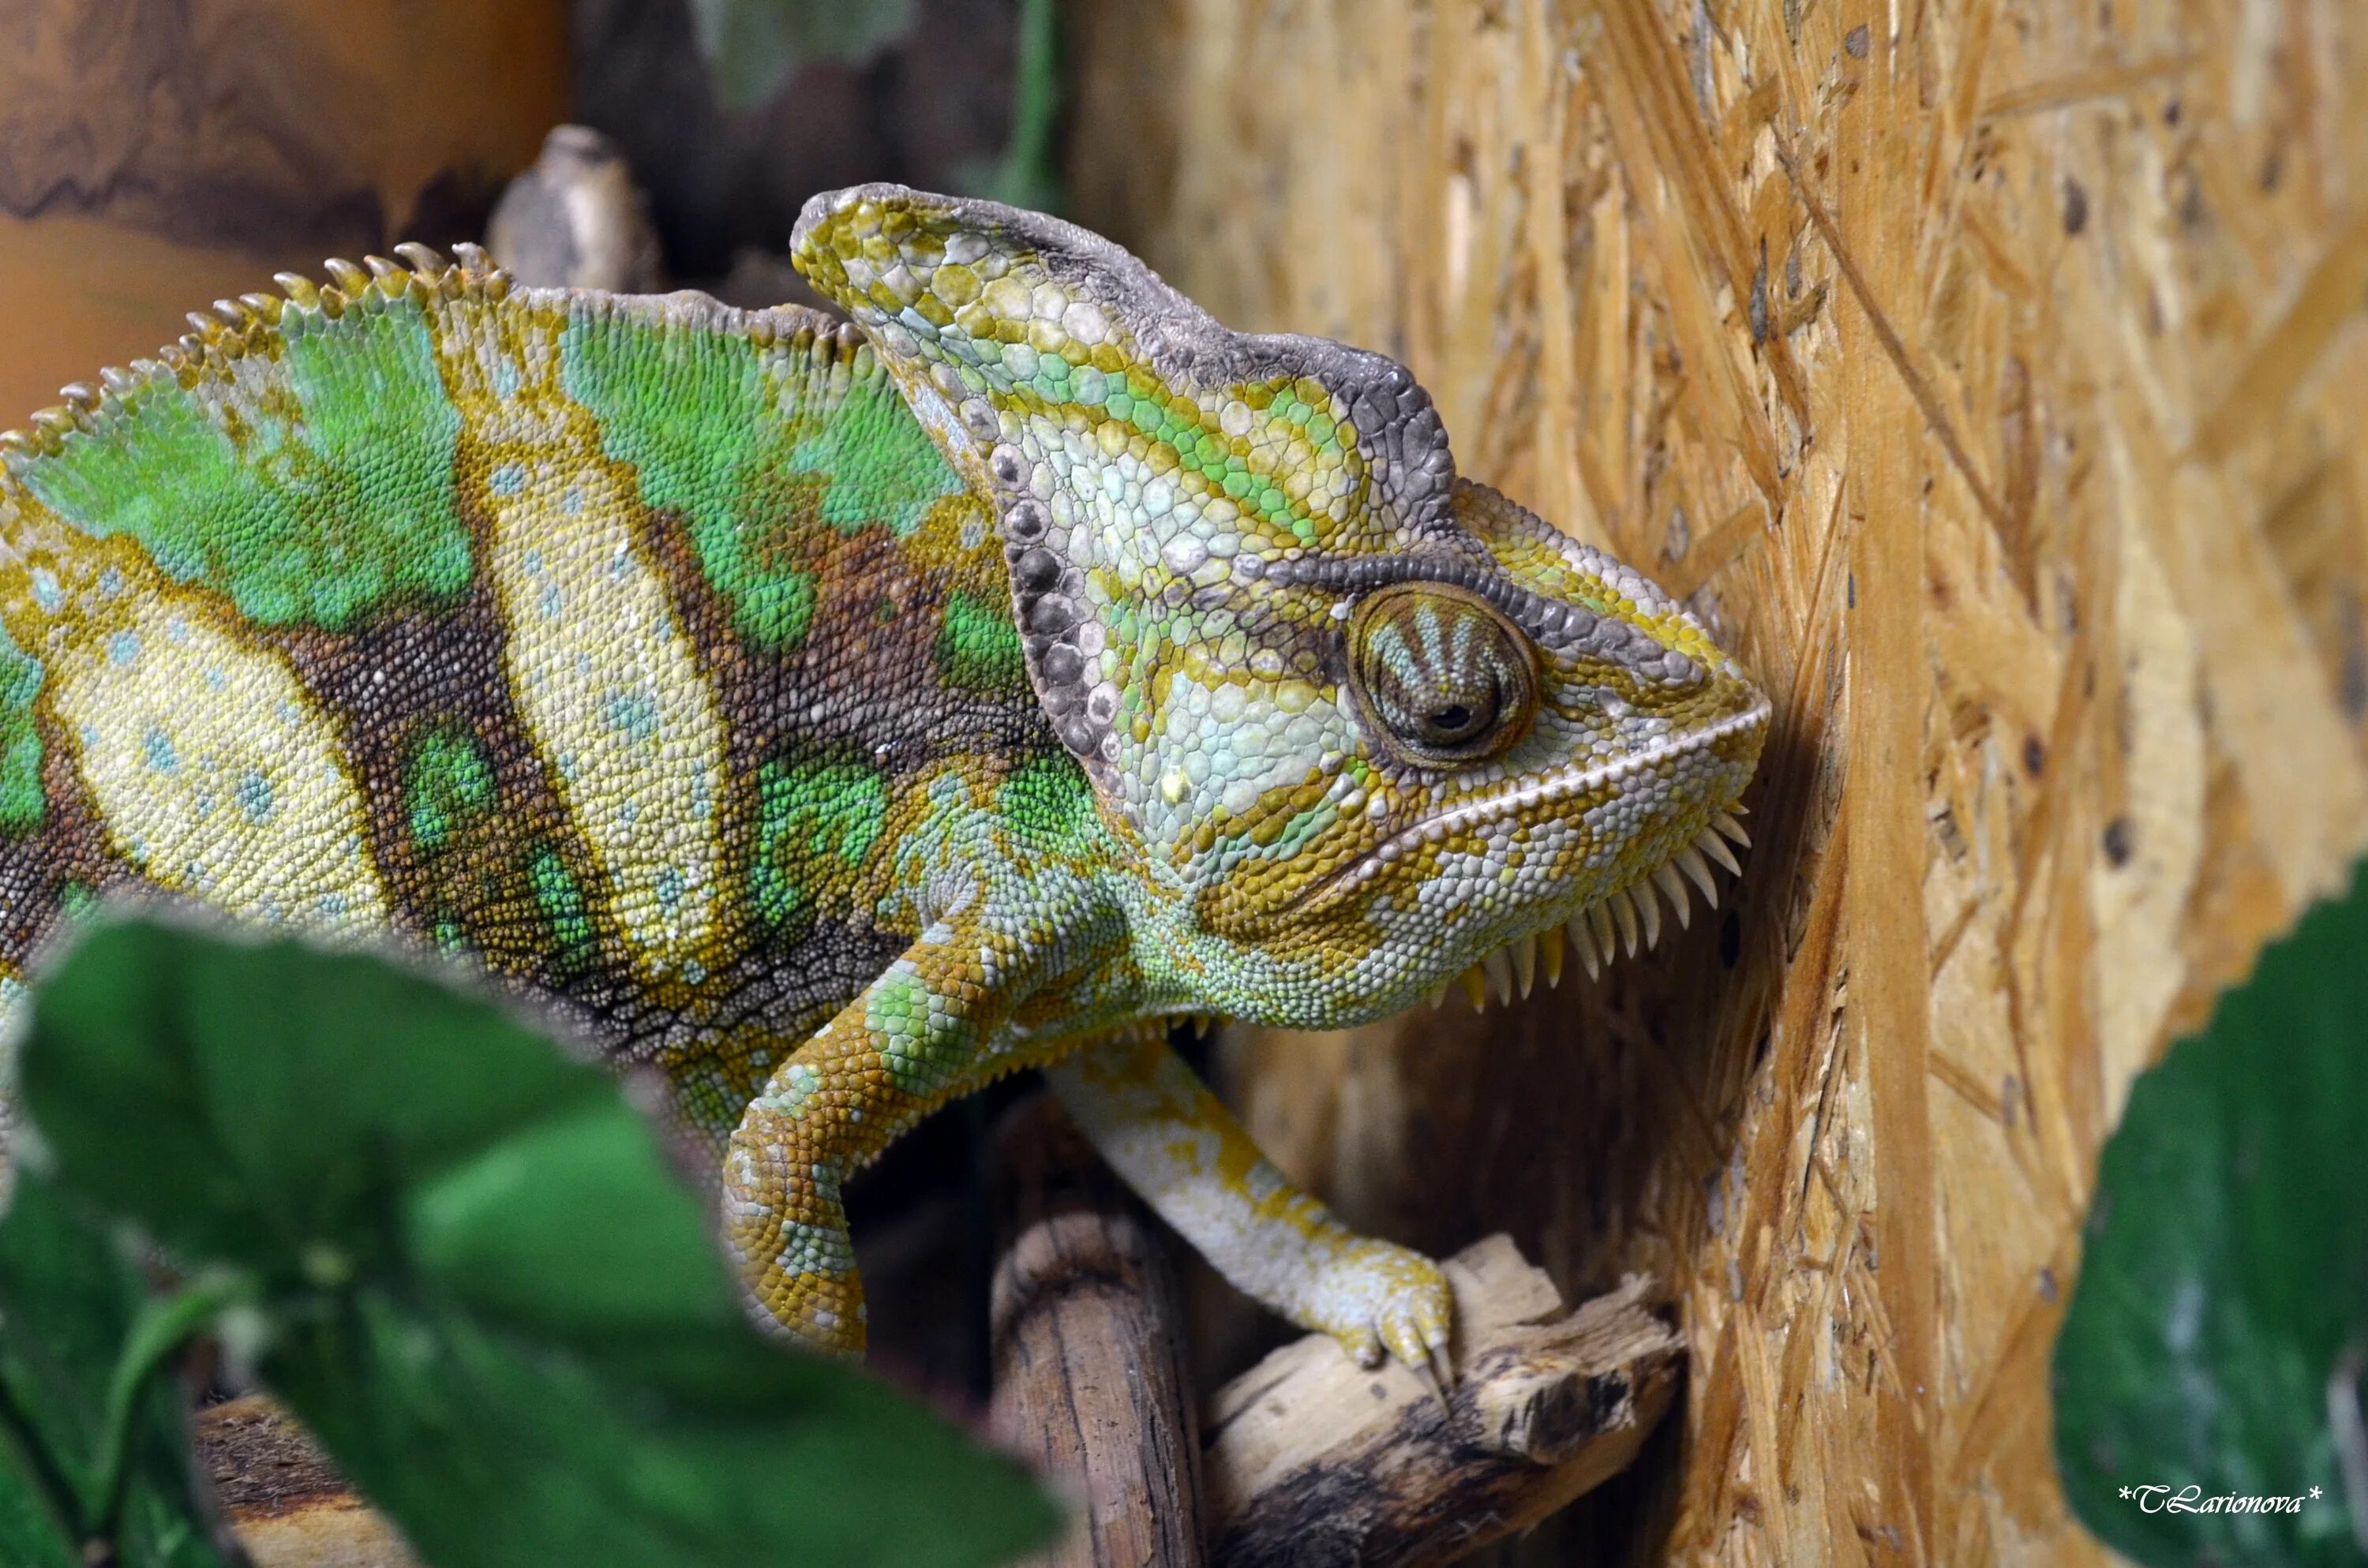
(837,716)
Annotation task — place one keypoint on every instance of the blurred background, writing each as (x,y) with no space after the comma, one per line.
(1985,370)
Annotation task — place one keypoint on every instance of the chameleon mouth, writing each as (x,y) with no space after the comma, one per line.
(1627,917)
(1536,794)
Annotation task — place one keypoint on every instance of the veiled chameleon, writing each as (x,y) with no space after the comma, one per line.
(840,716)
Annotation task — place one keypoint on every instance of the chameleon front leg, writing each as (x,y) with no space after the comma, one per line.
(913,1040)
(1178,1146)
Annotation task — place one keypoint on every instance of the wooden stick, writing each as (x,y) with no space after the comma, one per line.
(288,1505)
(1312,1461)
(1089,1380)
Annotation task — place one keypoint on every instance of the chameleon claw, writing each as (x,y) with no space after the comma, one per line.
(1427,1375)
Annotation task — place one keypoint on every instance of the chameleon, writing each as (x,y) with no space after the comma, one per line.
(834,714)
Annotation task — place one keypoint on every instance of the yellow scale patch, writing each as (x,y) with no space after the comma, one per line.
(600,666)
(212,767)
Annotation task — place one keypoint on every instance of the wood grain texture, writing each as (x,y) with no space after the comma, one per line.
(1088,1358)
(290,1507)
(1313,1462)
(1990,370)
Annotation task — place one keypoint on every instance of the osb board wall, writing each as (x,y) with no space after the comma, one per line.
(157,154)
(1993,371)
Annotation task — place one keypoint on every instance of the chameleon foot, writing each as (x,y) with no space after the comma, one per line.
(1373,1296)
(800,1271)
(1171,1140)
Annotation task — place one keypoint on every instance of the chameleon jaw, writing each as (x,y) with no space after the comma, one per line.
(1533,796)
(1628,918)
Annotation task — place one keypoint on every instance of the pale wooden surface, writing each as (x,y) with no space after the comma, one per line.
(1313,1462)
(1996,385)
(1089,1357)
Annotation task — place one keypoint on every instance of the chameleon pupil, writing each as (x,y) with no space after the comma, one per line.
(1439,673)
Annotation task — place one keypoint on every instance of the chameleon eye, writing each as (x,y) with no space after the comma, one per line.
(1444,678)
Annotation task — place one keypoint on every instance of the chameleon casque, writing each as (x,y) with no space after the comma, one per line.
(839,716)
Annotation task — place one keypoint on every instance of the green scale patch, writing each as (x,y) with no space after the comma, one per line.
(978,647)
(310,489)
(1050,804)
(815,821)
(560,898)
(21,802)
(756,450)
(448,783)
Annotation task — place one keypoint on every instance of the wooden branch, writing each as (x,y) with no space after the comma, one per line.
(1312,1461)
(287,1504)
(1089,1379)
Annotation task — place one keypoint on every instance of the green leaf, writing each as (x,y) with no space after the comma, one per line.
(480,1284)
(93,1434)
(2226,1274)
(753,45)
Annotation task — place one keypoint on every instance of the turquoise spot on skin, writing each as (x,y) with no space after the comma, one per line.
(879,463)
(124,647)
(254,797)
(311,493)
(978,647)
(22,803)
(633,714)
(157,746)
(508,479)
(562,901)
(799,1083)
(809,1250)
(46,592)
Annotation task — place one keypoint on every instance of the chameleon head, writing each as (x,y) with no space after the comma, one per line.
(1370,724)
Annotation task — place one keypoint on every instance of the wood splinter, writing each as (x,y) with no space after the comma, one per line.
(1306,1459)
(1311,1461)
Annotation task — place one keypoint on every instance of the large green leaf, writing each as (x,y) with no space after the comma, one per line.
(480,1285)
(2226,1280)
(94,1442)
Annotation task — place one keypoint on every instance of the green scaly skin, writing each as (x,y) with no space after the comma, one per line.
(840,717)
